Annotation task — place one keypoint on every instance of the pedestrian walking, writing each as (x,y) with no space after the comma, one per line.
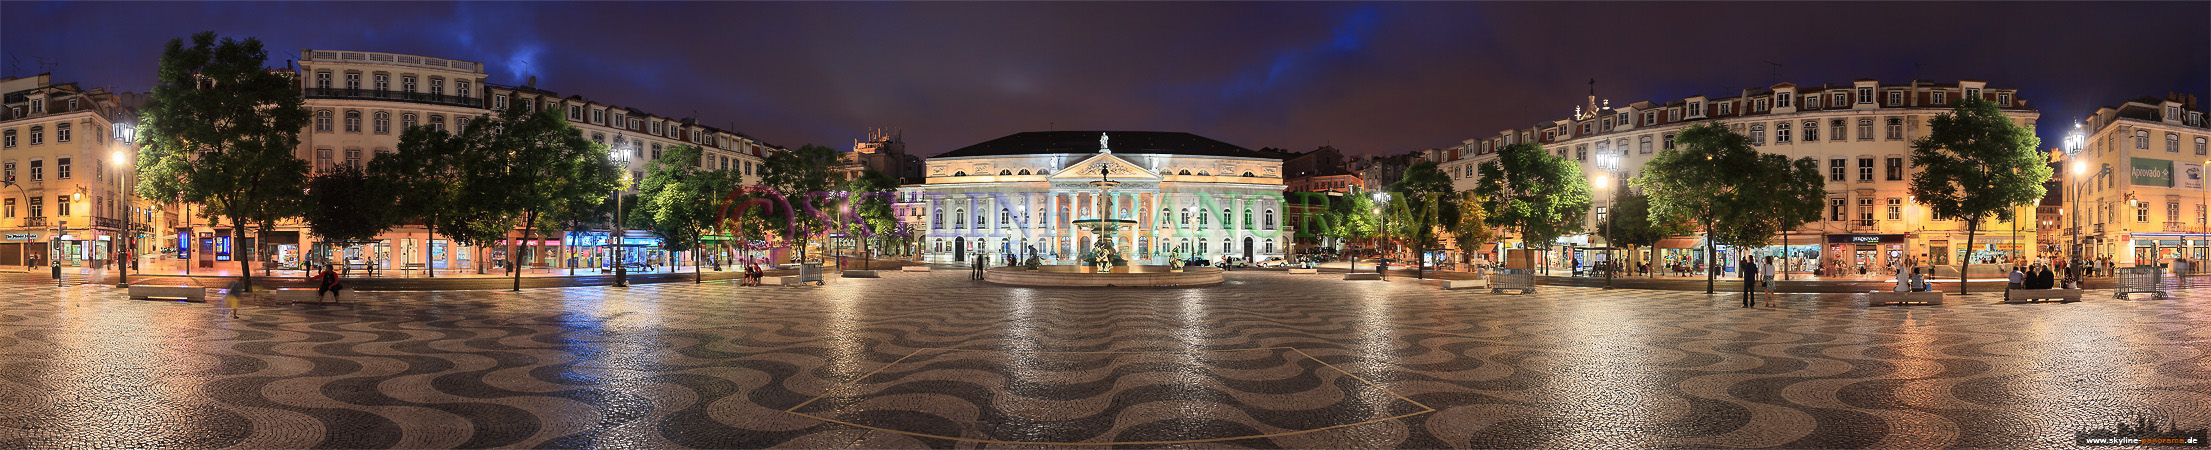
(1750,283)
(1767,273)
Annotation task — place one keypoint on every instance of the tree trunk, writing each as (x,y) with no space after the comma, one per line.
(1712,260)
(245,267)
(516,253)
(698,255)
(1965,267)
(431,231)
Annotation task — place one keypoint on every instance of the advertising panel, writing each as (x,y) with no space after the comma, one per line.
(2191,175)
(2151,172)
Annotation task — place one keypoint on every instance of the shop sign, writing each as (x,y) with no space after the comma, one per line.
(2191,175)
(22,236)
(2152,172)
(1864,238)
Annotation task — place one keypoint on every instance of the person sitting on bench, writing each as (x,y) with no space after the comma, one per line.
(752,275)
(1919,282)
(328,282)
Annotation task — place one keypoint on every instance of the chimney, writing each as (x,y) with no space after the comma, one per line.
(533,81)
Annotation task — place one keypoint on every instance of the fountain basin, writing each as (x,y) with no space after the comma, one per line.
(1088,276)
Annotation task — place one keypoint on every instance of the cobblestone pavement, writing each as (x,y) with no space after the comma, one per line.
(918,360)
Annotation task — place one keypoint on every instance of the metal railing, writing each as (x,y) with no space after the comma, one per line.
(107,222)
(2172,227)
(398,96)
(34,222)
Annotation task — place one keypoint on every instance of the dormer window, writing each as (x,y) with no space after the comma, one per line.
(2003,99)
(1865,95)
(1781,100)
(1759,106)
(1839,100)
(1972,92)
(2172,113)
(1811,102)
(1696,108)
(1939,98)
(1896,98)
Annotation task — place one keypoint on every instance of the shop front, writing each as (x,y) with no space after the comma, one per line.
(16,249)
(2162,248)
(1863,254)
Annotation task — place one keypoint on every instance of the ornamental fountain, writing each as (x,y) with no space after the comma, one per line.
(1104,264)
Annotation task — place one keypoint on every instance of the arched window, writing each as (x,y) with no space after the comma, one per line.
(1005,172)
(1044,171)
(2142,139)
(1185,247)
(383,122)
(1203,174)
(1270,246)
(1005,217)
(939,220)
(1228,219)
(406,121)
(1185,216)
(1247,175)
(1183,172)
(1201,246)
(1201,219)
(1165,215)
(1269,224)
(1024,171)
(959,218)
(322,120)
(1227,245)
(959,174)
(352,121)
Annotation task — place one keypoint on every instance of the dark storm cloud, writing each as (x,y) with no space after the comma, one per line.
(1369,78)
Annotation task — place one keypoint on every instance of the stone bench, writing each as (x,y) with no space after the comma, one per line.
(300,295)
(1299,271)
(1465,284)
(1900,298)
(153,292)
(914,269)
(859,274)
(2036,295)
(1354,276)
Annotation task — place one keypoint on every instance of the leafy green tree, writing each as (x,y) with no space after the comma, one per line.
(1471,229)
(799,175)
(1352,216)
(1423,198)
(522,165)
(424,176)
(872,218)
(1976,163)
(681,202)
(220,129)
(1631,221)
(1739,197)
(349,205)
(1540,195)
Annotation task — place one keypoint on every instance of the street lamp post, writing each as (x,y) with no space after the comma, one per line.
(123,268)
(1604,182)
(621,270)
(1381,199)
(2072,150)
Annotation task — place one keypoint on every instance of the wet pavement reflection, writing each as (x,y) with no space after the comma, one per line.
(917,360)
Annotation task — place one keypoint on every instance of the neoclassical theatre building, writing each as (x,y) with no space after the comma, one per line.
(1189,196)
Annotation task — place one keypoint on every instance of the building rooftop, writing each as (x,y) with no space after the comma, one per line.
(1084,142)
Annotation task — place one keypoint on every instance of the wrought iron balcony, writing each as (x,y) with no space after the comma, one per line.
(2172,227)
(34,222)
(107,223)
(396,96)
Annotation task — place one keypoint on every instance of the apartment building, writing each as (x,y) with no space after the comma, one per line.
(66,152)
(1860,132)
(2138,170)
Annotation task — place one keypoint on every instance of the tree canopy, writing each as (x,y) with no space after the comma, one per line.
(522,165)
(802,176)
(1976,163)
(220,130)
(1715,179)
(1540,195)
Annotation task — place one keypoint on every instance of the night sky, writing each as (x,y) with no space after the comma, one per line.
(1366,78)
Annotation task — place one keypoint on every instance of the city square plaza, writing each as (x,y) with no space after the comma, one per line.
(935,359)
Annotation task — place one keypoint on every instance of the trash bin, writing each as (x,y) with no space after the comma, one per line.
(810,273)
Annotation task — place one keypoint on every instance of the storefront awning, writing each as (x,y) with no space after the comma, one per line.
(1677,242)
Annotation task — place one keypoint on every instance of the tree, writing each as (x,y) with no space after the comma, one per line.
(1976,163)
(425,176)
(802,176)
(1717,181)
(871,218)
(680,201)
(220,129)
(1470,230)
(523,164)
(1352,216)
(1631,221)
(1424,202)
(349,205)
(1540,195)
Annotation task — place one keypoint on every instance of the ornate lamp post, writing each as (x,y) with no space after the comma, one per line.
(621,157)
(126,250)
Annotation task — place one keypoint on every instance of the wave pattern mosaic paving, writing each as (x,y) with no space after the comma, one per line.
(934,360)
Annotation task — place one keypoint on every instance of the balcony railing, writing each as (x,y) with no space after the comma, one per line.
(2172,227)
(107,223)
(34,222)
(411,97)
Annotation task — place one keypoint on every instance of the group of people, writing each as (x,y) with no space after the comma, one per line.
(753,274)
(1763,279)
(2036,277)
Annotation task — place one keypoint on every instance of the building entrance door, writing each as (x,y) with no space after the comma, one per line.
(1247,249)
(959,249)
